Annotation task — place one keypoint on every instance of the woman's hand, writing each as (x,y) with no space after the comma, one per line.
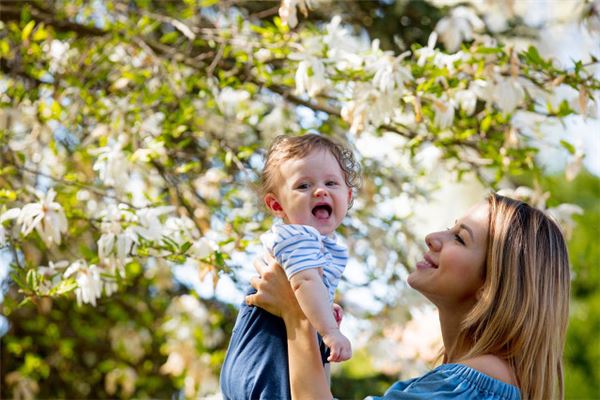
(274,292)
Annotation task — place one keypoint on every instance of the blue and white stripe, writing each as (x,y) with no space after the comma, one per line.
(301,247)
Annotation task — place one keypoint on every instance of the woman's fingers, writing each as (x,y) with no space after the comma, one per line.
(254,281)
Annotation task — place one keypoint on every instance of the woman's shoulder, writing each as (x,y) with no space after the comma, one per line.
(492,366)
(475,378)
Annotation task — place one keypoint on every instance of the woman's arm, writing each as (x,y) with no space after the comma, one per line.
(274,294)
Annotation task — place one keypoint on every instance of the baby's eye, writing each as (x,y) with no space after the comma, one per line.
(302,186)
(332,183)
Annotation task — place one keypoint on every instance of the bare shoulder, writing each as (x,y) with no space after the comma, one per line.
(493,366)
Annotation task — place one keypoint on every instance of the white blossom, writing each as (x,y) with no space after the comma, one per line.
(115,242)
(111,164)
(209,184)
(180,229)
(343,49)
(310,77)
(467,100)
(232,101)
(574,165)
(275,123)
(444,112)
(287,11)
(508,94)
(424,53)
(89,281)
(47,217)
(263,55)
(202,248)
(389,74)
(458,27)
(564,216)
(150,226)
(13,213)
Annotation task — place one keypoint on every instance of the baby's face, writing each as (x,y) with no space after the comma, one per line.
(312,191)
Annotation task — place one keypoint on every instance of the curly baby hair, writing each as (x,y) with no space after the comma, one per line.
(292,147)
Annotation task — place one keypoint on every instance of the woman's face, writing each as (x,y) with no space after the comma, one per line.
(452,270)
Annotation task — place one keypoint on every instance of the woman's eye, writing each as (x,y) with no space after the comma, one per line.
(459,239)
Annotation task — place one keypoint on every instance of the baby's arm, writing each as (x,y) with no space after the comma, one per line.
(313,298)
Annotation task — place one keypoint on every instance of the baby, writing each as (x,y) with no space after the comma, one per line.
(308,182)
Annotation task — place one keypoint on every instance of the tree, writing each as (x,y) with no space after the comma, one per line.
(131,136)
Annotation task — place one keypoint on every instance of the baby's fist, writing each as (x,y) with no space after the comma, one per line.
(339,346)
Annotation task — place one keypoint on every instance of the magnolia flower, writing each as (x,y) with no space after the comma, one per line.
(508,94)
(89,281)
(425,53)
(574,166)
(114,239)
(389,74)
(263,55)
(342,48)
(369,107)
(310,77)
(111,164)
(202,248)
(10,214)
(47,217)
(458,27)
(230,101)
(275,123)
(209,185)
(150,226)
(444,113)
(467,100)
(287,11)
(564,214)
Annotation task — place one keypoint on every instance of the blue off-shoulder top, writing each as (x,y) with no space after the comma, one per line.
(451,381)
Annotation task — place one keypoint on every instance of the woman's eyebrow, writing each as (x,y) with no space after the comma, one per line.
(466,228)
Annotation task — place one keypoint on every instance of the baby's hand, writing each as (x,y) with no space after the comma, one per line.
(339,346)
(338,313)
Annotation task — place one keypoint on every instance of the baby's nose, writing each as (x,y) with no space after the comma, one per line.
(320,192)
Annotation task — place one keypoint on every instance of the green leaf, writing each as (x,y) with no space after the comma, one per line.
(27,30)
(570,148)
(185,247)
(169,38)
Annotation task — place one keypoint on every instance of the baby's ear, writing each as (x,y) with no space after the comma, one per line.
(273,205)
(349,195)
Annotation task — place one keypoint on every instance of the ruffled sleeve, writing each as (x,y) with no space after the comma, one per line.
(451,381)
(295,247)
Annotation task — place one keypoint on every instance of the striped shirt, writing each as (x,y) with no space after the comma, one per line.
(301,247)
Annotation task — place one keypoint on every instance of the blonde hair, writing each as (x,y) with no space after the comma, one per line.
(523,311)
(292,147)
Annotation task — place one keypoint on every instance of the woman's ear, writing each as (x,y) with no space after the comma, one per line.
(273,205)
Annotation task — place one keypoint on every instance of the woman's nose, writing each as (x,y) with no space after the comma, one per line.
(434,242)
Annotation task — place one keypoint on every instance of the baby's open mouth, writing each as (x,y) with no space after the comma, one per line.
(322,211)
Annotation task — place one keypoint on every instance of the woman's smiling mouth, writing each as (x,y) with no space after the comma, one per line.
(426,263)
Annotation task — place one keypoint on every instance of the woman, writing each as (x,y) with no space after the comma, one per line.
(500,280)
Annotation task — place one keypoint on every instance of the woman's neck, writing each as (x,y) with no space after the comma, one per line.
(450,322)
